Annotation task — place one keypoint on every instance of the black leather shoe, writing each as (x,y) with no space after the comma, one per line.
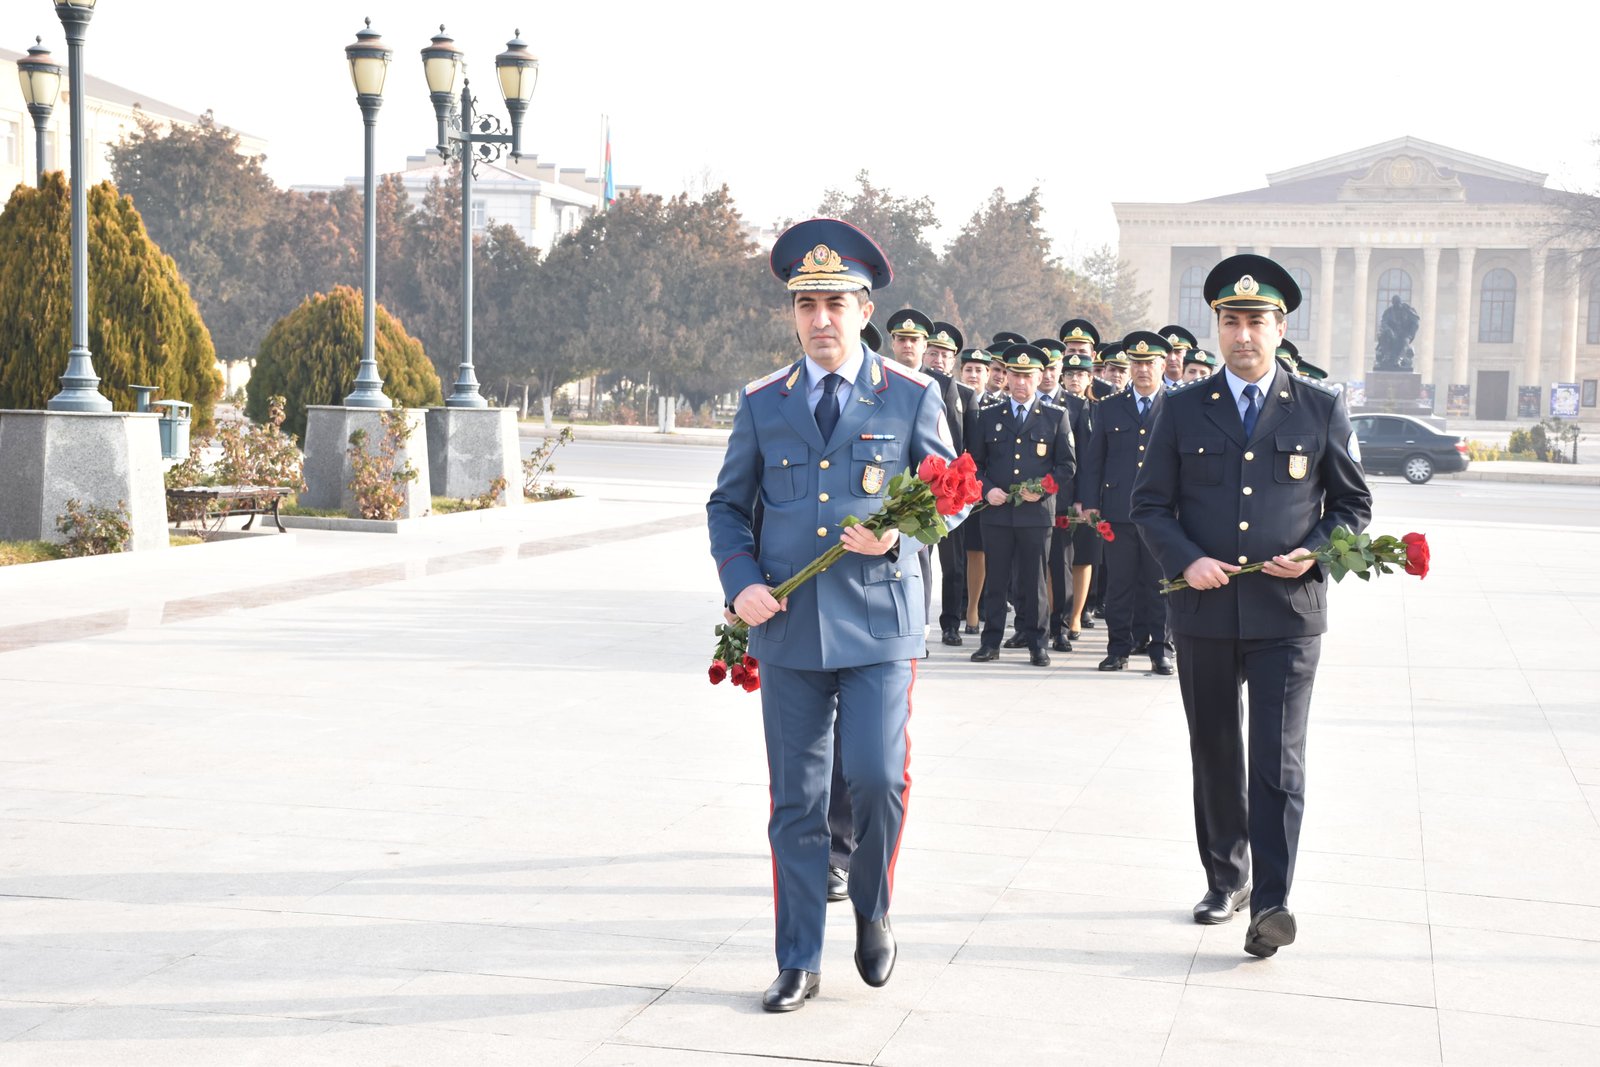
(791,989)
(1059,643)
(985,654)
(1161,665)
(1014,641)
(1038,657)
(838,884)
(971,629)
(1099,611)
(952,636)
(1217,907)
(1087,622)
(1141,648)
(1270,929)
(1113,663)
(1073,635)
(875,950)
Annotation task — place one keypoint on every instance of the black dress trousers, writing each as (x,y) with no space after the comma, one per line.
(952,582)
(1134,606)
(1060,579)
(1238,817)
(1015,556)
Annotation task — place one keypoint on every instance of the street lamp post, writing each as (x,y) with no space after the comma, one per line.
(471,139)
(40,76)
(369,65)
(80,386)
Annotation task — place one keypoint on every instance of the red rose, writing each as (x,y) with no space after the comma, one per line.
(738,673)
(718,671)
(1103,528)
(965,464)
(752,681)
(930,469)
(1048,484)
(1417,554)
(750,662)
(1063,522)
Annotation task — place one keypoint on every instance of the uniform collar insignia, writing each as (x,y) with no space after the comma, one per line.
(877,374)
(795,377)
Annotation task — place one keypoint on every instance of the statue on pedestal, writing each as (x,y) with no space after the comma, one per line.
(1396,330)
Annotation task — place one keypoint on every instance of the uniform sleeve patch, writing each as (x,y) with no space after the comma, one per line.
(1353,447)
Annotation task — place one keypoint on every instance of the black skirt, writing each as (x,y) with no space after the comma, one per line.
(1086,546)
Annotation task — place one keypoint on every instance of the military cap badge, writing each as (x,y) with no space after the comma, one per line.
(1246,286)
(821,260)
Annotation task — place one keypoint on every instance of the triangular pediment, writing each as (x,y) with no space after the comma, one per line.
(1423,161)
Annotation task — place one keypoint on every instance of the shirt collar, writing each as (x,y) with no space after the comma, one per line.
(1236,384)
(849,372)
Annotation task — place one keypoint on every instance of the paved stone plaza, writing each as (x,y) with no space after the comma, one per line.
(465,797)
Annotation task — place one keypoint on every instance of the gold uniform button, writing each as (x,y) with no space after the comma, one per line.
(822,531)
(822,497)
(1016,472)
(1244,559)
(1140,463)
(1017,455)
(823,464)
(878,457)
(1200,451)
(897,574)
(1244,526)
(1299,448)
(1249,455)
(1141,433)
(1141,448)
(785,463)
(1248,490)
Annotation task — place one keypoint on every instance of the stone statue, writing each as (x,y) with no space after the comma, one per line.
(1396,330)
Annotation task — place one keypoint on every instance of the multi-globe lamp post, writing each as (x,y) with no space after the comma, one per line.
(469,139)
(369,67)
(40,76)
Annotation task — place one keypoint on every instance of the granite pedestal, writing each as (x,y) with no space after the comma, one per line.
(94,457)
(468,448)
(327,469)
(1395,393)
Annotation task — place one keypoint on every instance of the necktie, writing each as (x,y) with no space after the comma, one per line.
(1144,408)
(828,407)
(1252,410)
(1018,412)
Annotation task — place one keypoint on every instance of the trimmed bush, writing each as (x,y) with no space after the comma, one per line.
(312,355)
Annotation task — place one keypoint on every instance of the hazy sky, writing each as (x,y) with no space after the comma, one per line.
(1100,102)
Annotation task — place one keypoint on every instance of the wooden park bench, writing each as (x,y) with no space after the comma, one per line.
(219,502)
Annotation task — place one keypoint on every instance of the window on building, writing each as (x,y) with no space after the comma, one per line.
(1594,310)
(1497,310)
(1193,312)
(480,213)
(1391,283)
(10,143)
(1298,325)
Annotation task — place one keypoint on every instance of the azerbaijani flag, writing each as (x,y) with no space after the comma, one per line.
(611,178)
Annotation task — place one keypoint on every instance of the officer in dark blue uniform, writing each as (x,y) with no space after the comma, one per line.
(1180,342)
(1197,364)
(1136,617)
(1061,566)
(1016,439)
(814,442)
(1252,464)
(959,400)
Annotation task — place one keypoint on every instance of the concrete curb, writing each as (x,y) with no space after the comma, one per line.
(703,438)
(1479,475)
(422,524)
(113,563)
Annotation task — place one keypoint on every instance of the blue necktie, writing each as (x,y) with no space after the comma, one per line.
(828,407)
(1252,410)
(1144,408)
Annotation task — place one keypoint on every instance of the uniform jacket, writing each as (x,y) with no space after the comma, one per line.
(957,402)
(1115,454)
(1206,491)
(1007,454)
(864,609)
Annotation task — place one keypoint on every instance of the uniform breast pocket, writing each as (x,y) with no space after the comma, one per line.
(1037,444)
(785,476)
(871,464)
(1200,460)
(1294,456)
(888,600)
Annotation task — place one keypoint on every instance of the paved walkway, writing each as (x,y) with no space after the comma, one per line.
(467,798)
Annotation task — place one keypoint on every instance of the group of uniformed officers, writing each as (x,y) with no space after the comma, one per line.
(1198,464)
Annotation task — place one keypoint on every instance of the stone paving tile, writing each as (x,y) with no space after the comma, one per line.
(958,1039)
(1358,959)
(151,1037)
(1495,1040)
(1230,1026)
(1555,979)
(853,1032)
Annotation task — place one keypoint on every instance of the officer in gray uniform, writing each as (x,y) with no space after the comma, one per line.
(1252,464)
(814,442)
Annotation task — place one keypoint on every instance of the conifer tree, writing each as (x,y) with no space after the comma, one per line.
(144,327)
(312,355)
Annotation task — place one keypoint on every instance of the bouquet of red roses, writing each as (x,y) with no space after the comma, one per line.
(1091,520)
(1350,553)
(1038,486)
(915,504)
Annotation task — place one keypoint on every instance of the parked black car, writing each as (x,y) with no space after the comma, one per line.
(1400,444)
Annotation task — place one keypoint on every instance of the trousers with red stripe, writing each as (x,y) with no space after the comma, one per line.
(797,710)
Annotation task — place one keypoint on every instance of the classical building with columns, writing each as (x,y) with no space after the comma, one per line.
(1508,292)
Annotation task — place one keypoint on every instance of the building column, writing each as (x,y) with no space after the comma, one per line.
(1460,367)
(1324,352)
(1226,251)
(1569,317)
(1533,325)
(1430,317)
(1358,320)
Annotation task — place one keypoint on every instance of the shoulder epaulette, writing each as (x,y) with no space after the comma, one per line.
(767,379)
(906,372)
(1322,387)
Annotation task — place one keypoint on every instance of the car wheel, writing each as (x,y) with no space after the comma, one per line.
(1418,469)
